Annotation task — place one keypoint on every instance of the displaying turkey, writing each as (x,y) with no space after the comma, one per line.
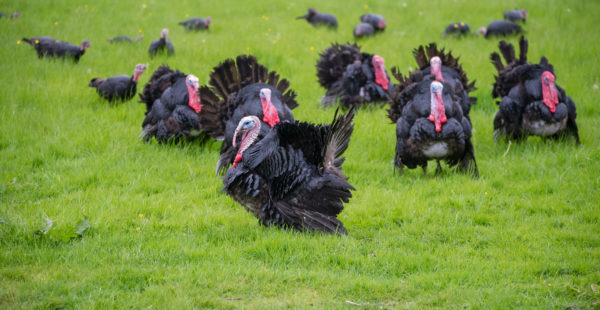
(48,47)
(315,18)
(363,30)
(500,28)
(161,45)
(458,28)
(355,78)
(516,15)
(241,88)
(427,107)
(531,102)
(292,177)
(196,23)
(377,21)
(121,87)
(172,103)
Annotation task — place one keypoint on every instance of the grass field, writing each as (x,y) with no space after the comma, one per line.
(161,234)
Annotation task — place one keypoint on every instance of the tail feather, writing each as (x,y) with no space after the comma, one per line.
(161,79)
(523,46)
(496,61)
(308,220)
(423,56)
(507,51)
(333,62)
(337,141)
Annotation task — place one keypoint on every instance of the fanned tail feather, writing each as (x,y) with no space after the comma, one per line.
(333,62)
(337,141)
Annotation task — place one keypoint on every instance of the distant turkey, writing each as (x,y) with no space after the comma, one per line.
(427,107)
(516,15)
(363,30)
(458,28)
(162,45)
(292,177)
(500,28)
(377,21)
(316,18)
(48,47)
(172,104)
(355,78)
(121,87)
(196,23)
(531,102)
(14,15)
(124,39)
(241,88)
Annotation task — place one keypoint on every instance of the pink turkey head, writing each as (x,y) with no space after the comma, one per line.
(137,72)
(436,68)
(380,77)
(194,99)
(84,45)
(482,30)
(438,111)
(270,115)
(549,93)
(164,33)
(249,126)
(207,21)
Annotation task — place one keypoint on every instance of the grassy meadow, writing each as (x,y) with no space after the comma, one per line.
(93,217)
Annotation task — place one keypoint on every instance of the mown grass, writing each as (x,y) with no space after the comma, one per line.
(525,234)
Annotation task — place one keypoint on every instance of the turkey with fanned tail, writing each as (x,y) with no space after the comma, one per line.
(292,177)
(239,88)
(531,102)
(172,106)
(427,108)
(355,78)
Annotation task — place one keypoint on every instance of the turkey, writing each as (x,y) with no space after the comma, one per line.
(292,177)
(196,23)
(124,39)
(458,28)
(14,15)
(430,108)
(531,102)
(437,64)
(172,103)
(355,78)
(363,30)
(239,88)
(516,15)
(48,47)
(500,28)
(377,21)
(315,18)
(121,87)
(161,45)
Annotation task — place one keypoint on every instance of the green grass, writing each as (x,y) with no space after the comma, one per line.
(526,234)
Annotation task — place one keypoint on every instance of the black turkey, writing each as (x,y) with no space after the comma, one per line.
(458,28)
(500,28)
(172,106)
(48,47)
(121,87)
(196,23)
(161,45)
(377,21)
(124,39)
(531,102)
(13,15)
(353,77)
(241,88)
(437,64)
(315,18)
(363,30)
(292,177)
(516,15)
(427,107)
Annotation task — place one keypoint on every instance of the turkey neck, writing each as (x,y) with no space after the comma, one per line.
(248,137)
(550,97)
(438,111)
(194,99)
(270,115)
(136,76)
(381,78)
(436,70)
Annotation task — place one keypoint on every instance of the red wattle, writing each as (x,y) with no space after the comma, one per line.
(438,116)
(238,158)
(194,102)
(382,80)
(439,77)
(550,97)
(270,115)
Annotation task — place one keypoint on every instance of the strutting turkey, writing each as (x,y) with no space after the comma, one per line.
(241,88)
(316,18)
(48,47)
(161,45)
(427,107)
(292,177)
(531,103)
(121,87)
(172,103)
(355,78)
